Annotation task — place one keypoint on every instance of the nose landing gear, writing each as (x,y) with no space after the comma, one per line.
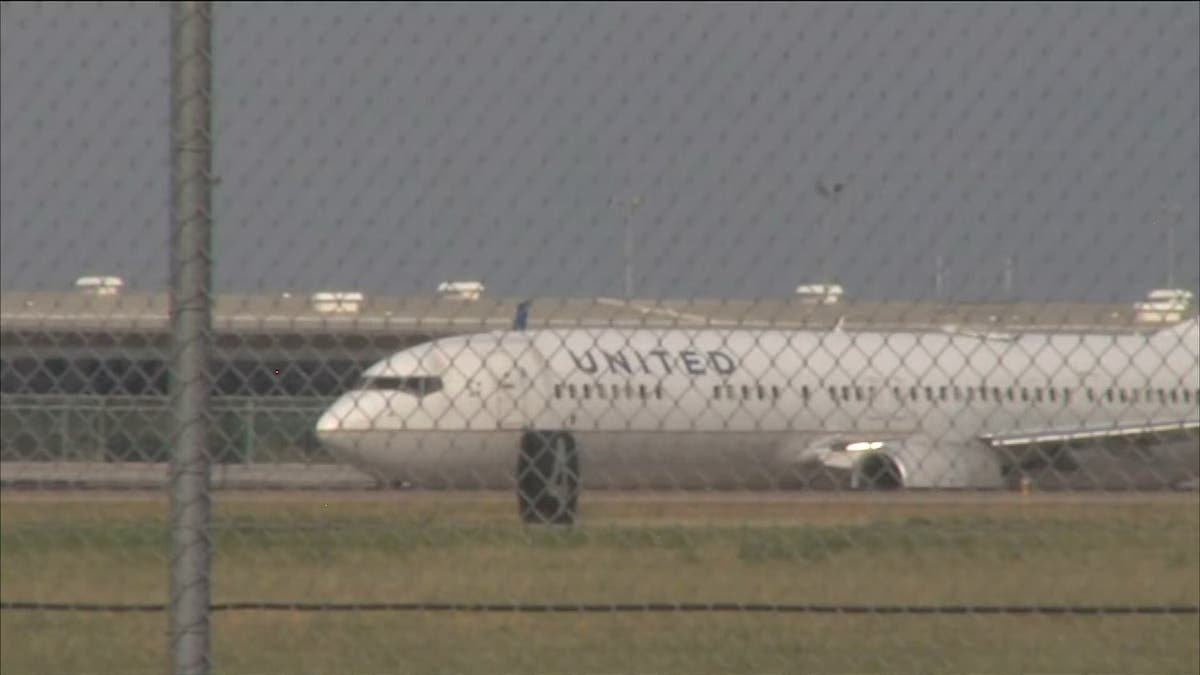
(548,478)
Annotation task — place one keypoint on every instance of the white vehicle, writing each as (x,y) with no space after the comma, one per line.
(462,290)
(329,302)
(820,294)
(553,411)
(100,285)
(1164,305)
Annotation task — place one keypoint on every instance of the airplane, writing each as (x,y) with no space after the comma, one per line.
(554,411)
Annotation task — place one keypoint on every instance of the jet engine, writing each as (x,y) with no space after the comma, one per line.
(909,462)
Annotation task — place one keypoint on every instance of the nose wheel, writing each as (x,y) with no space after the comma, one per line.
(548,478)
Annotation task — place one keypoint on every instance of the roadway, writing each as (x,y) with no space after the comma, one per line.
(148,313)
(274,478)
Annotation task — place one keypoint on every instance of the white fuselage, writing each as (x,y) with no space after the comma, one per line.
(733,408)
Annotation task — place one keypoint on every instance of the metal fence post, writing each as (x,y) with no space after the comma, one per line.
(191,218)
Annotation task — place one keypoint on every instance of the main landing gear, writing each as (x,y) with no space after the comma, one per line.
(548,478)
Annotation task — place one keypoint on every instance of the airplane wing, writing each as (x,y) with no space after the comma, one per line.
(1140,432)
(914,460)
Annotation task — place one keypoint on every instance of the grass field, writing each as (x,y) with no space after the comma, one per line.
(394,547)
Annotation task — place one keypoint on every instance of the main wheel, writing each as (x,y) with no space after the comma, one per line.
(548,478)
(878,472)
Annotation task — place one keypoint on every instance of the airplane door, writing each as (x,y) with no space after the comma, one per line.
(516,398)
(512,381)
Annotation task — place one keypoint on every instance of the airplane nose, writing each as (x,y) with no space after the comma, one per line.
(328,422)
(344,415)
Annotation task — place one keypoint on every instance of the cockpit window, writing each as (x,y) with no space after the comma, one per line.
(417,386)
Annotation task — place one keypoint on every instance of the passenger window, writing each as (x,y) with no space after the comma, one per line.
(717,392)
(928,393)
(805,392)
(600,392)
(746,392)
(762,393)
(571,390)
(1108,394)
(628,390)
(558,391)
(587,391)
(982,393)
(1051,393)
(774,391)
(957,393)
(845,392)
(1024,394)
(658,392)
(642,391)
(1174,396)
(616,391)
(833,393)
(914,393)
(996,395)
(858,393)
(1066,395)
(942,393)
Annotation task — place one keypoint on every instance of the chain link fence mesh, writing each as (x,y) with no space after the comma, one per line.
(613,337)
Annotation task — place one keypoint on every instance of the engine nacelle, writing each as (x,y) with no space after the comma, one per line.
(916,462)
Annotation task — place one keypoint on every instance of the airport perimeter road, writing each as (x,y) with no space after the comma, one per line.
(147,476)
(317,482)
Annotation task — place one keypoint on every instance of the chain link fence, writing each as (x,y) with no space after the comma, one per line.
(599,337)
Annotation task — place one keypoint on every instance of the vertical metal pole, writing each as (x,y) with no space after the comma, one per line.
(628,256)
(1008,279)
(937,279)
(629,206)
(191,223)
(1170,251)
(827,233)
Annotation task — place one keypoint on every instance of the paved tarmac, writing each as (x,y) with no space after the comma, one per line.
(278,480)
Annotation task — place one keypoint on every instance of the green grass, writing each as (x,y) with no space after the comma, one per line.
(458,643)
(453,549)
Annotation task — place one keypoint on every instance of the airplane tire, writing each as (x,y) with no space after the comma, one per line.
(879,472)
(548,478)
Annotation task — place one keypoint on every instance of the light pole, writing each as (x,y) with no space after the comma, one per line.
(1009,279)
(631,205)
(1172,211)
(937,279)
(832,191)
